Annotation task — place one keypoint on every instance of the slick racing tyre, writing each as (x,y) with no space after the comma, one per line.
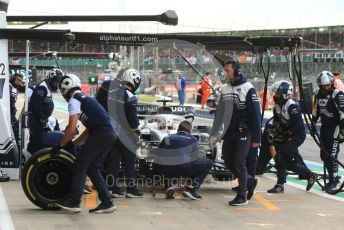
(47,178)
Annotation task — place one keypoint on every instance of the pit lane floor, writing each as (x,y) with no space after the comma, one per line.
(295,209)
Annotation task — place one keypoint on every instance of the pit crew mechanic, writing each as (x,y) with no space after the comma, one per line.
(118,98)
(98,138)
(238,110)
(179,156)
(41,106)
(265,155)
(15,82)
(329,107)
(252,156)
(285,133)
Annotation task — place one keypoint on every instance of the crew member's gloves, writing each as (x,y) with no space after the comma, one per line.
(56,149)
(341,136)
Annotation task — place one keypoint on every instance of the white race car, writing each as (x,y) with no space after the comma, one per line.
(157,122)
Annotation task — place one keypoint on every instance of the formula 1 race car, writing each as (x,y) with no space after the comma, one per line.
(157,122)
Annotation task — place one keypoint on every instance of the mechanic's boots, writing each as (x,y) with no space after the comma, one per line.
(332,184)
(102,208)
(311,181)
(3,176)
(192,194)
(277,189)
(117,193)
(238,201)
(133,193)
(69,205)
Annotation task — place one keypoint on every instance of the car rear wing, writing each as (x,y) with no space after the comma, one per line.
(146,110)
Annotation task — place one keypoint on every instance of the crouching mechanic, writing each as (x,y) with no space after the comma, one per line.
(264,157)
(286,132)
(178,156)
(329,106)
(98,139)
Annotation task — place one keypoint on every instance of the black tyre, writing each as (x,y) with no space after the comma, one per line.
(47,178)
(221,173)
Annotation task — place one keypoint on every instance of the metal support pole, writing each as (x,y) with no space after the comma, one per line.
(23,150)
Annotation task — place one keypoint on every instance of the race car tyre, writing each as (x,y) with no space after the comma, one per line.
(47,178)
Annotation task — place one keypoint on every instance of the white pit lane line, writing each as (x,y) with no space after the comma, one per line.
(5,215)
(316,192)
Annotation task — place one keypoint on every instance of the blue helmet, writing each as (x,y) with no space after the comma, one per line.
(282,91)
(55,74)
(53,78)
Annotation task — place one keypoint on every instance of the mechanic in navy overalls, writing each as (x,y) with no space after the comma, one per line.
(285,133)
(268,135)
(239,112)
(15,82)
(122,108)
(41,106)
(251,160)
(179,156)
(329,106)
(264,152)
(98,138)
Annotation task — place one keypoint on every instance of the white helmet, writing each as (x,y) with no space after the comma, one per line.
(325,78)
(283,87)
(284,90)
(130,77)
(67,83)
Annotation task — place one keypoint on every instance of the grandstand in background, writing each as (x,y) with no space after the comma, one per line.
(322,48)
